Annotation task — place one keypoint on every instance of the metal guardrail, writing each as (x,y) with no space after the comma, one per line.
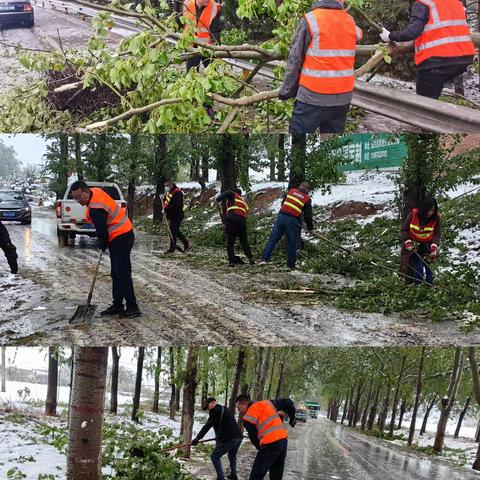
(405,107)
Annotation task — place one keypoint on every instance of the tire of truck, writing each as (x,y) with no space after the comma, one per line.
(62,238)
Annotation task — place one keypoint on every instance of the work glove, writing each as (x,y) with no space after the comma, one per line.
(409,245)
(292,422)
(195,442)
(434,250)
(385,35)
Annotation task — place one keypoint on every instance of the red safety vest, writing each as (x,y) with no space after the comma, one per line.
(446,33)
(202,23)
(169,195)
(294,202)
(421,233)
(328,67)
(265,417)
(239,206)
(118,222)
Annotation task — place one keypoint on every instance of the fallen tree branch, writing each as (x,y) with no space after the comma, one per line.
(132,112)
(372,23)
(371,64)
(247,100)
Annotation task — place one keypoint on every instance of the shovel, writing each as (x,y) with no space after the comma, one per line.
(84,313)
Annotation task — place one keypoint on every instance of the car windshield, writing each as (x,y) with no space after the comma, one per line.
(11,197)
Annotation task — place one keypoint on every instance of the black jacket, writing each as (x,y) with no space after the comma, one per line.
(8,248)
(418,19)
(225,426)
(229,195)
(175,207)
(285,405)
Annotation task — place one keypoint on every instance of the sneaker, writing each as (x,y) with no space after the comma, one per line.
(188,247)
(239,261)
(113,310)
(262,263)
(232,476)
(167,252)
(13,267)
(130,312)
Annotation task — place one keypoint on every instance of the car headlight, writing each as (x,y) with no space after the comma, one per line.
(26,209)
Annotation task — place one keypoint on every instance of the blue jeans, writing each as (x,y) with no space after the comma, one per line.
(230,447)
(290,226)
(270,459)
(421,270)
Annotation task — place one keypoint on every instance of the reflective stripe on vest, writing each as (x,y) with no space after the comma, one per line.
(328,67)
(446,33)
(202,24)
(294,202)
(118,222)
(169,196)
(421,233)
(265,417)
(239,206)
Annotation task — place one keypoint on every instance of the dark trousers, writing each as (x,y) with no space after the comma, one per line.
(270,459)
(310,118)
(289,226)
(236,227)
(195,62)
(8,248)
(230,448)
(122,284)
(175,223)
(430,82)
(420,267)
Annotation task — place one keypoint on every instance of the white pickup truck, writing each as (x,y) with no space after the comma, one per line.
(71,219)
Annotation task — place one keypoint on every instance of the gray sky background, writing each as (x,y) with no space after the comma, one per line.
(29,147)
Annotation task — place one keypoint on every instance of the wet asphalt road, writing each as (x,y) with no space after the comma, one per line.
(181,303)
(321,450)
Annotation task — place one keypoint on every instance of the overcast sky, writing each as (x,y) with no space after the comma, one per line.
(29,147)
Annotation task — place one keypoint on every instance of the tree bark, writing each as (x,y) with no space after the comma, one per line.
(227,163)
(3,372)
(279,390)
(373,410)
(51,403)
(78,156)
(448,401)
(132,176)
(383,415)
(418,395)
(86,413)
(367,406)
(430,405)
(472,358)
(188,406)
(159,176)
(238,376)
(114,382)
(297,160)
(281,158)
(138,384)
(396,396)
(272,372)
(173,388)
(156,391)
(460,418)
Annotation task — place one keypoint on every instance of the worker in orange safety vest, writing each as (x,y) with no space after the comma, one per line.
(267,432)
(320,69)
(420,240)
(443,46)
(114,231)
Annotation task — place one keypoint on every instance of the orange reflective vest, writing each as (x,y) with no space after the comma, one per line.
(239,206)
(202,23)
(169,196)
(265,417)
(328,67)
(421,233)
(446,33)
(294,202)
(118,222)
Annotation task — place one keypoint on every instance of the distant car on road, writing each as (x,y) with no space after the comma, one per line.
(14,207)
(16,12)
(301,416)
(71,219)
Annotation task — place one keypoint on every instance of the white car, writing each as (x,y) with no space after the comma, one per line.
(71,216)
